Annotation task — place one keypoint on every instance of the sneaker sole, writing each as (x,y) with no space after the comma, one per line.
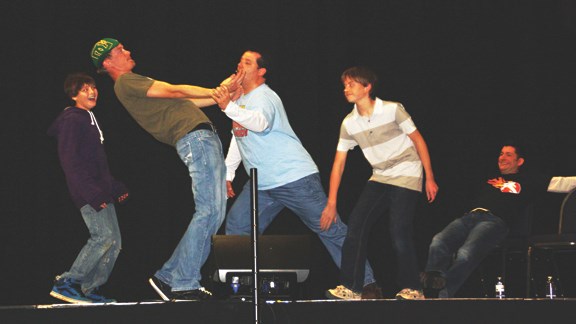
(402,298)
(329,295)
(158,290)
(68,299)
(110,301)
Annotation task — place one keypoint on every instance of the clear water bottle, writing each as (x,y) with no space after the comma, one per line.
(500,288)
(550,288)
(235,284)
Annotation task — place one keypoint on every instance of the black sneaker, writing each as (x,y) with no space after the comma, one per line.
(196,294)
(164,290)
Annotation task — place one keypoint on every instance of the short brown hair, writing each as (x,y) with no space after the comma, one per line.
(362,75)
(74,83)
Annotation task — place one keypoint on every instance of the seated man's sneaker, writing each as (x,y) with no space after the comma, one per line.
(372,291)
(433,280)
(342,292)
(69,290)
(410,294)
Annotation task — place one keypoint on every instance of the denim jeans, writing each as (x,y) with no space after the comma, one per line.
(458,249)
(95,261)
(306,198)
(375,199)
(201,152)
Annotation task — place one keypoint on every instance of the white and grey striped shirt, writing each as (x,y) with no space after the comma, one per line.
(383,138)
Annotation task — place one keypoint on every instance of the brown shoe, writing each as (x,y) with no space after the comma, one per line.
(432,279)
(372,291)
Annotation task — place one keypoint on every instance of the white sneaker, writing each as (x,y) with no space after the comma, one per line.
(410,294)
(342,292)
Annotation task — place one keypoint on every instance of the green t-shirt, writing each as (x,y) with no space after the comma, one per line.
(167,119)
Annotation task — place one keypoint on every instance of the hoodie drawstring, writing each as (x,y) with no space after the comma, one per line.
(94,121)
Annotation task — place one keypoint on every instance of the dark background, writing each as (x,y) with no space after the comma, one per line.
(471,74)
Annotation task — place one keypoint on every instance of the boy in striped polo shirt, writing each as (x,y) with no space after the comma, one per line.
(398,154)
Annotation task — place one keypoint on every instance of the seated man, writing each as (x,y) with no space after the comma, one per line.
(458,249)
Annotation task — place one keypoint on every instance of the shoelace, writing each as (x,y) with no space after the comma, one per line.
(205,291)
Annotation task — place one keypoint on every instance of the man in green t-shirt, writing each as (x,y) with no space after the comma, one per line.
(171,113)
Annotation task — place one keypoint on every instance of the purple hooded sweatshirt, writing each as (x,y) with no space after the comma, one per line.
(83,159)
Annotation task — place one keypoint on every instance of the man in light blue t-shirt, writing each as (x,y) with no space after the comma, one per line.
(287,176)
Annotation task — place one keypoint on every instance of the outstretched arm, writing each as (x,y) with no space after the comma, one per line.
(330,211)
(161,89)
(233,159)
(204,102)
(422,149)
(253,120)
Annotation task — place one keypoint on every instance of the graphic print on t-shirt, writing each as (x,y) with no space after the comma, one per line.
(506,186)
(237,129)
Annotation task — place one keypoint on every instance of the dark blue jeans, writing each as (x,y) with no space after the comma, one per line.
(458,249)
(377,199)
(306,198)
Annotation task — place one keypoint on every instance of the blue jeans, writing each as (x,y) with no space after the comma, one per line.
(374,201)
(95,261)
(306,198)
(202,153)
(458,249)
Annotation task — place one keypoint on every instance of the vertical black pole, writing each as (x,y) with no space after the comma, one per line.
(254,213)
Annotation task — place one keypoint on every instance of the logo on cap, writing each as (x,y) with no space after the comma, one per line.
(101,49)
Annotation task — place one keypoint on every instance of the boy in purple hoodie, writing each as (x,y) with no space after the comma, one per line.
(93,190)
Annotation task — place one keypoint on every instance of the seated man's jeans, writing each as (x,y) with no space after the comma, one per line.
(460,247)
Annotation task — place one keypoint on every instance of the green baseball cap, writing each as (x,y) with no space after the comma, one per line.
(101,49)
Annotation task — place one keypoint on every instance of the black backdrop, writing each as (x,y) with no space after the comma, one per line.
(470,73)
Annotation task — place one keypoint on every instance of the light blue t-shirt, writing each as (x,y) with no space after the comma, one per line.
(276,153)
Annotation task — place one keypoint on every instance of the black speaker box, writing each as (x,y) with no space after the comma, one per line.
(283,263)
(276,253)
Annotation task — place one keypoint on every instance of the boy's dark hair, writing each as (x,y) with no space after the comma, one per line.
(362,75)
(74,83)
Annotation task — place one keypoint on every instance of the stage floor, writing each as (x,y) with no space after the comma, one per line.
(462,311)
